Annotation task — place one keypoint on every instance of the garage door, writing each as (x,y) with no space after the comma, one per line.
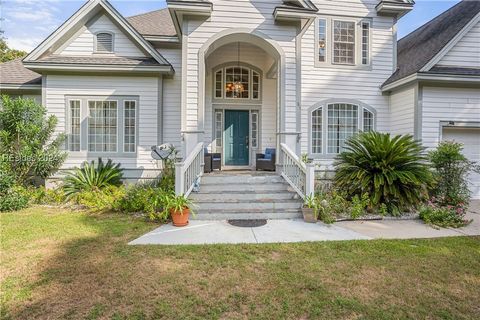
(471,141)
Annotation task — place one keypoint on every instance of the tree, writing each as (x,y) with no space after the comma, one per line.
(26,140)
(7,54)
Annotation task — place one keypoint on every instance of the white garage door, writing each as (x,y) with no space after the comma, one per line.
(470,137)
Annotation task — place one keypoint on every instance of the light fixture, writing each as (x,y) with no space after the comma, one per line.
(238,87)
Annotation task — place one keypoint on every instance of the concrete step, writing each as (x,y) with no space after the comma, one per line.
(248,215)
(241,196)
(256,206)
(235,187)
(242,179)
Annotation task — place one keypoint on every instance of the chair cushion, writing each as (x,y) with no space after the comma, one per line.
(264,160)
(269,152)
(217,159)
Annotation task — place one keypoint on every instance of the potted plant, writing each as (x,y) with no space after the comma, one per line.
(179,208)
(310,209)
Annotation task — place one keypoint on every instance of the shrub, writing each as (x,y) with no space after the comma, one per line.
(13,199)
(391,170)
(451,169)
(93,177)
(444,216)
(42,195)
(99,199)
(26,140)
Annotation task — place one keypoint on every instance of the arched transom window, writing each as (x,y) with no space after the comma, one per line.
(332,124)
(237,83)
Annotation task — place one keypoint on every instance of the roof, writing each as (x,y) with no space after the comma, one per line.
(154,23)
(118,61)
(422,45)
(13,72)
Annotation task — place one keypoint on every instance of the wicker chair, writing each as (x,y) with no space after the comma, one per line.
(208,161)
(266,161)
(213,161)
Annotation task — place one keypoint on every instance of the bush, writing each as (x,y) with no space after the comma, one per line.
(444,216)
(451,169)
(99,199)
(391,170)
(143,198)
(93,177)
(13,199)
(42,195)
(26,140)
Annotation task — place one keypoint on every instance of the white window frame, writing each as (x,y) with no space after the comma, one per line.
(217,112)
(328,63)
(324,105)
(118,125)
(96,42)
(224,98)
(355,42)
(124,126)
(69,124)
(257,135)
(369,42)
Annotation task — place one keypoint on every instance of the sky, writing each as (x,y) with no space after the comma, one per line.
(28,22)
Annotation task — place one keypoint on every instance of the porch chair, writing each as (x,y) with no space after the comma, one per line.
(207,159)
(213,161)
(266,161)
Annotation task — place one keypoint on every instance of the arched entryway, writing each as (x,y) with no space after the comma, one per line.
(241,74)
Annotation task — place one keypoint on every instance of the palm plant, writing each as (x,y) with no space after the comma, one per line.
(93,177)
(392,170)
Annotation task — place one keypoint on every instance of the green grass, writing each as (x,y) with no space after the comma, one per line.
(68,265)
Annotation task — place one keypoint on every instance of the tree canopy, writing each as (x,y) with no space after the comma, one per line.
(7,54)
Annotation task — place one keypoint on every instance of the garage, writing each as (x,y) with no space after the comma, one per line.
(470,138)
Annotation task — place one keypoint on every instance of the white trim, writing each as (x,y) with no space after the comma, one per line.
(6,86)
(96,67)
(88,125)
(454,79)
(135,136)
(451,44)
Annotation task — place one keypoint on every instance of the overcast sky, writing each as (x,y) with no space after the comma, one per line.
(27,22)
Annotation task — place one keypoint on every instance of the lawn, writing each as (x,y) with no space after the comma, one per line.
(70,265)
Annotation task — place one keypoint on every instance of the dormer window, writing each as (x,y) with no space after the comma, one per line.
(104,42)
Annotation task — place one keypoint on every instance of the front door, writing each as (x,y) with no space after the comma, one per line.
(236,138)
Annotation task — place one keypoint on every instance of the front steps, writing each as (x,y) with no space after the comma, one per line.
(245,195)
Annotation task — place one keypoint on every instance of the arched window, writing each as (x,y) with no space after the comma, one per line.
(104,42)
(331,124)
(237,83)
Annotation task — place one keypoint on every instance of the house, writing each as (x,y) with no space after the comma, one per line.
(239,76)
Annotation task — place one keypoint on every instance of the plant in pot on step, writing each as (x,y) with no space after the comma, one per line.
(179,208)
(310,209)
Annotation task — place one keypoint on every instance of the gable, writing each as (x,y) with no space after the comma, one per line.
(83,42)
(466,52)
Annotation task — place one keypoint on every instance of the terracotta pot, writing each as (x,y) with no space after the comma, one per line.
(180,218)
(309,215)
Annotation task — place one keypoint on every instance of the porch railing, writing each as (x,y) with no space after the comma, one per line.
(189,171)
(299,175)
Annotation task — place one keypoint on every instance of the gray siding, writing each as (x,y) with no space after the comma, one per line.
(402,111)
(466,53)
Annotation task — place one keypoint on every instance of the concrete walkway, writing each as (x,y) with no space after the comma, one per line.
(277,231)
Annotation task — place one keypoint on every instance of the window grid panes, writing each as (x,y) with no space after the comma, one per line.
(255,85)
(365,42)
(102,126)
(218,128)
(254,129)
(322,40)
(104,42)
(130,126)
(74,137)
(317,131)
(342,124)
(219,84)
(344,42)
(234,78)
(367,121)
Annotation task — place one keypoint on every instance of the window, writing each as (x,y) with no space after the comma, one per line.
(219,84)
(74,136)
(104,42)
(322,40)
(343,42)
(331,124)
(365,42)
(102,126)
(254,116)
(367,120)
(317,131)
(342,124)
(218,128)
(130,126)
(237,83)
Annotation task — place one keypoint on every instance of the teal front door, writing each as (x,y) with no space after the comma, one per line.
(236,138)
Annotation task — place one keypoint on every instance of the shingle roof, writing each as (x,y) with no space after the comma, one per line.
(13,72)
(154,23)
(121,61)
(422,45)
